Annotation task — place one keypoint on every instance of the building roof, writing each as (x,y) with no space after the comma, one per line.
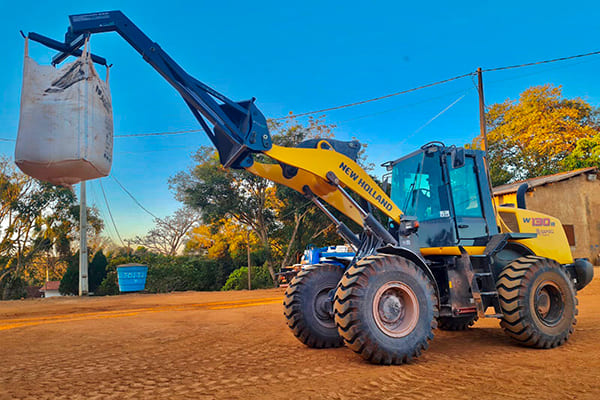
(543,180)
(50,285)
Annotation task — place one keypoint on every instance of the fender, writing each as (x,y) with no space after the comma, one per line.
(417,259)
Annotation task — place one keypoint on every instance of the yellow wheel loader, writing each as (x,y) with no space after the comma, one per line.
(445,258)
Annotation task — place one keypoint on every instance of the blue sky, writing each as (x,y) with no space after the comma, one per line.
(303,56)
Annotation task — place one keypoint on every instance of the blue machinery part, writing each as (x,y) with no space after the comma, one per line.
(240,128)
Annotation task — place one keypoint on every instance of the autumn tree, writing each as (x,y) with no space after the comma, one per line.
(170,233)
(533,136)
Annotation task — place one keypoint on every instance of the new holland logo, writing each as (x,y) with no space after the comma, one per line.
(366,187)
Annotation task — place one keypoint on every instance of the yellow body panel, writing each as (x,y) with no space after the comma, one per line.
(322,160)
(551,241)
(318,186)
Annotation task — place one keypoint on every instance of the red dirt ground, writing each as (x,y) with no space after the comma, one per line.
(235,345)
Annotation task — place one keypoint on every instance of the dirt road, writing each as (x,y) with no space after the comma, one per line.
(236,345)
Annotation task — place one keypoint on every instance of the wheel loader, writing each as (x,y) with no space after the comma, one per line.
(445,257)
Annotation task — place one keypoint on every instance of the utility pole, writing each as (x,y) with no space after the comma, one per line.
(482,127)
(483,130)
(249,267)
(83,256)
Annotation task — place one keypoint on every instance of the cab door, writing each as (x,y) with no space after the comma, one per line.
(466,201)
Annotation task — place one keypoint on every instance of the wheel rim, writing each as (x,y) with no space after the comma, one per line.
(323,308)
(396,309)
(549,303)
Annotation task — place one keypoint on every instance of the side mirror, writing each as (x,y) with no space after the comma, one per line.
(457,155)
(385,184)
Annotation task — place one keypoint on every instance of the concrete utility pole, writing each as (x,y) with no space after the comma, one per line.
(249,267)
(83,259)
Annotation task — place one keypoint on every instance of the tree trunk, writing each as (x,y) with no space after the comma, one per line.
(297,221)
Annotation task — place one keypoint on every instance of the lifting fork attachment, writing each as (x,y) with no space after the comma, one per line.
(317,168)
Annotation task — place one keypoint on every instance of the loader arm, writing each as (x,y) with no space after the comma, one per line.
(239,130)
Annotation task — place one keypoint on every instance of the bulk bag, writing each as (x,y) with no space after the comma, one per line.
(65,125)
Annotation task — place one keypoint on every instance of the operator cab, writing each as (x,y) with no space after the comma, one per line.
(446,190)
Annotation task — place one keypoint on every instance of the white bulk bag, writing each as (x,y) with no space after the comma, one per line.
(65,126)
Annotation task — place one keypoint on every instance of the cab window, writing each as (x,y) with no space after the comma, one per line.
(465,190)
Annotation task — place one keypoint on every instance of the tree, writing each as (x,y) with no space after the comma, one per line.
(532,136)
(221,194)
(97,270)
(38,221)
(169,233)
(586,154)
(274,214)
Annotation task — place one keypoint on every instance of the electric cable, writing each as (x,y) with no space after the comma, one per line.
(108,229)
(133,197)
(357,103)
(110,213)
(593,53)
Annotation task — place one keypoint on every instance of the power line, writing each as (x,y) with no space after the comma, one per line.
(593,53)
(463,91)
(357,103)
(98,204)
(159,133)
(110,213)
(133,197)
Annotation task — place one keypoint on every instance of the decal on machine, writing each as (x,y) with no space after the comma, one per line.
(366,187)
(545,223)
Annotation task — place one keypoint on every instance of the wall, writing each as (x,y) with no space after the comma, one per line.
(574,201)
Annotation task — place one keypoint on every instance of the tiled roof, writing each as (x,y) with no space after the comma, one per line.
(50,285)
(543,180)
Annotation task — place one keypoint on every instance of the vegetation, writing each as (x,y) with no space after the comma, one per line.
(38,222)
(542,133)
(236,204)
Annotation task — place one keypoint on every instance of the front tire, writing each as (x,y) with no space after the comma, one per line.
(308,307)
(385,309)
(538,301)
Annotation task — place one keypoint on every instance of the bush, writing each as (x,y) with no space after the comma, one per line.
(13,289)
(184,273)
(238,279)
(109,285)
(97,271)
(69,284)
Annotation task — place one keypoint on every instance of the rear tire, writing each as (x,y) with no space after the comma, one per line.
(308,307)
(456,323)
(538,301)
(385,309)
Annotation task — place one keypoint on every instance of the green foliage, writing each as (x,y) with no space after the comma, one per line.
(238,279)
(193,274)
(13,289)
(586,154)
(38,222)
(109,285)
(69,284)
(97,270)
